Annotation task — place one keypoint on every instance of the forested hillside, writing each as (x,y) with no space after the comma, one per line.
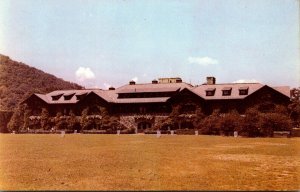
(18,81)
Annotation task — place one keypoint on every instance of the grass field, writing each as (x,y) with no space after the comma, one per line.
(136,162)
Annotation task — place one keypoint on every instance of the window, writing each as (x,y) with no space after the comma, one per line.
(243,90)
(210,91)
(56,97)
(226,91)
(81,96)
(69,96)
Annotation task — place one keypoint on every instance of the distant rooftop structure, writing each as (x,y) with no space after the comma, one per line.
(170,80)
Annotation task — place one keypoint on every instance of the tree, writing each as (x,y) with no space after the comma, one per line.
(281,109)
(114,123)
(26,119)
(45,121)
(84,121)
(294,107)
(266,106)
(270,122)
(295,94)
(5,117)
(199,116)
(73,123)
(16,121)
(229,123)
(210,125)
(60,121)
(250,123)
(105,118)
(174,119)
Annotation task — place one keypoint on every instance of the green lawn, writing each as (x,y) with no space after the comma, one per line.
(135,162)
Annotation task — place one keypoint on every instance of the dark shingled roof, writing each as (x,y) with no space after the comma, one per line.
(201,90)
(111,96)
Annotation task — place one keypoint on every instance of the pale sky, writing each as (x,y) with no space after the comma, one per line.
(103,43)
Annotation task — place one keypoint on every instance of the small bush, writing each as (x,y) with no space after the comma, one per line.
(229,123)
(210,125)
(270,122)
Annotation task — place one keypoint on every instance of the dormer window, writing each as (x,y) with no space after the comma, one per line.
(226,91)
(80,96)
(69,96)
(210,91)
(243,90)
(56,97)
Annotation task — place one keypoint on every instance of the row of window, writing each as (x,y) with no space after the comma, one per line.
(226,91)
(68,97)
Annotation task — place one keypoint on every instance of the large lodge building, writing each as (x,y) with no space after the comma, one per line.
(132,103)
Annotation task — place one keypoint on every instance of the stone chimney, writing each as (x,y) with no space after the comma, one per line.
(210,80)
(131,82)
(154,81)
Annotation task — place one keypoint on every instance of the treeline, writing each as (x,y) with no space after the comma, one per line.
(259,121)
(18,81)
(22,122)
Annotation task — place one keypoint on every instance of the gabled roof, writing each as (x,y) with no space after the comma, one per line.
(111,96)
(41,96)
(48,97)
(235,87)
(285,90)
(201,90)
(108,95)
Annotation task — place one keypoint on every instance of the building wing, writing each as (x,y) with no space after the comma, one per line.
(226,91)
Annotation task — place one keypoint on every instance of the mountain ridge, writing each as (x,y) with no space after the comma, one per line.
(19,80)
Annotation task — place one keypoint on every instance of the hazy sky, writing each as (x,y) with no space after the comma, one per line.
(102,43)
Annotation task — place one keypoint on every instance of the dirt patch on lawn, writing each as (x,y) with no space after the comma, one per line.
(269,144)
(262,159)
